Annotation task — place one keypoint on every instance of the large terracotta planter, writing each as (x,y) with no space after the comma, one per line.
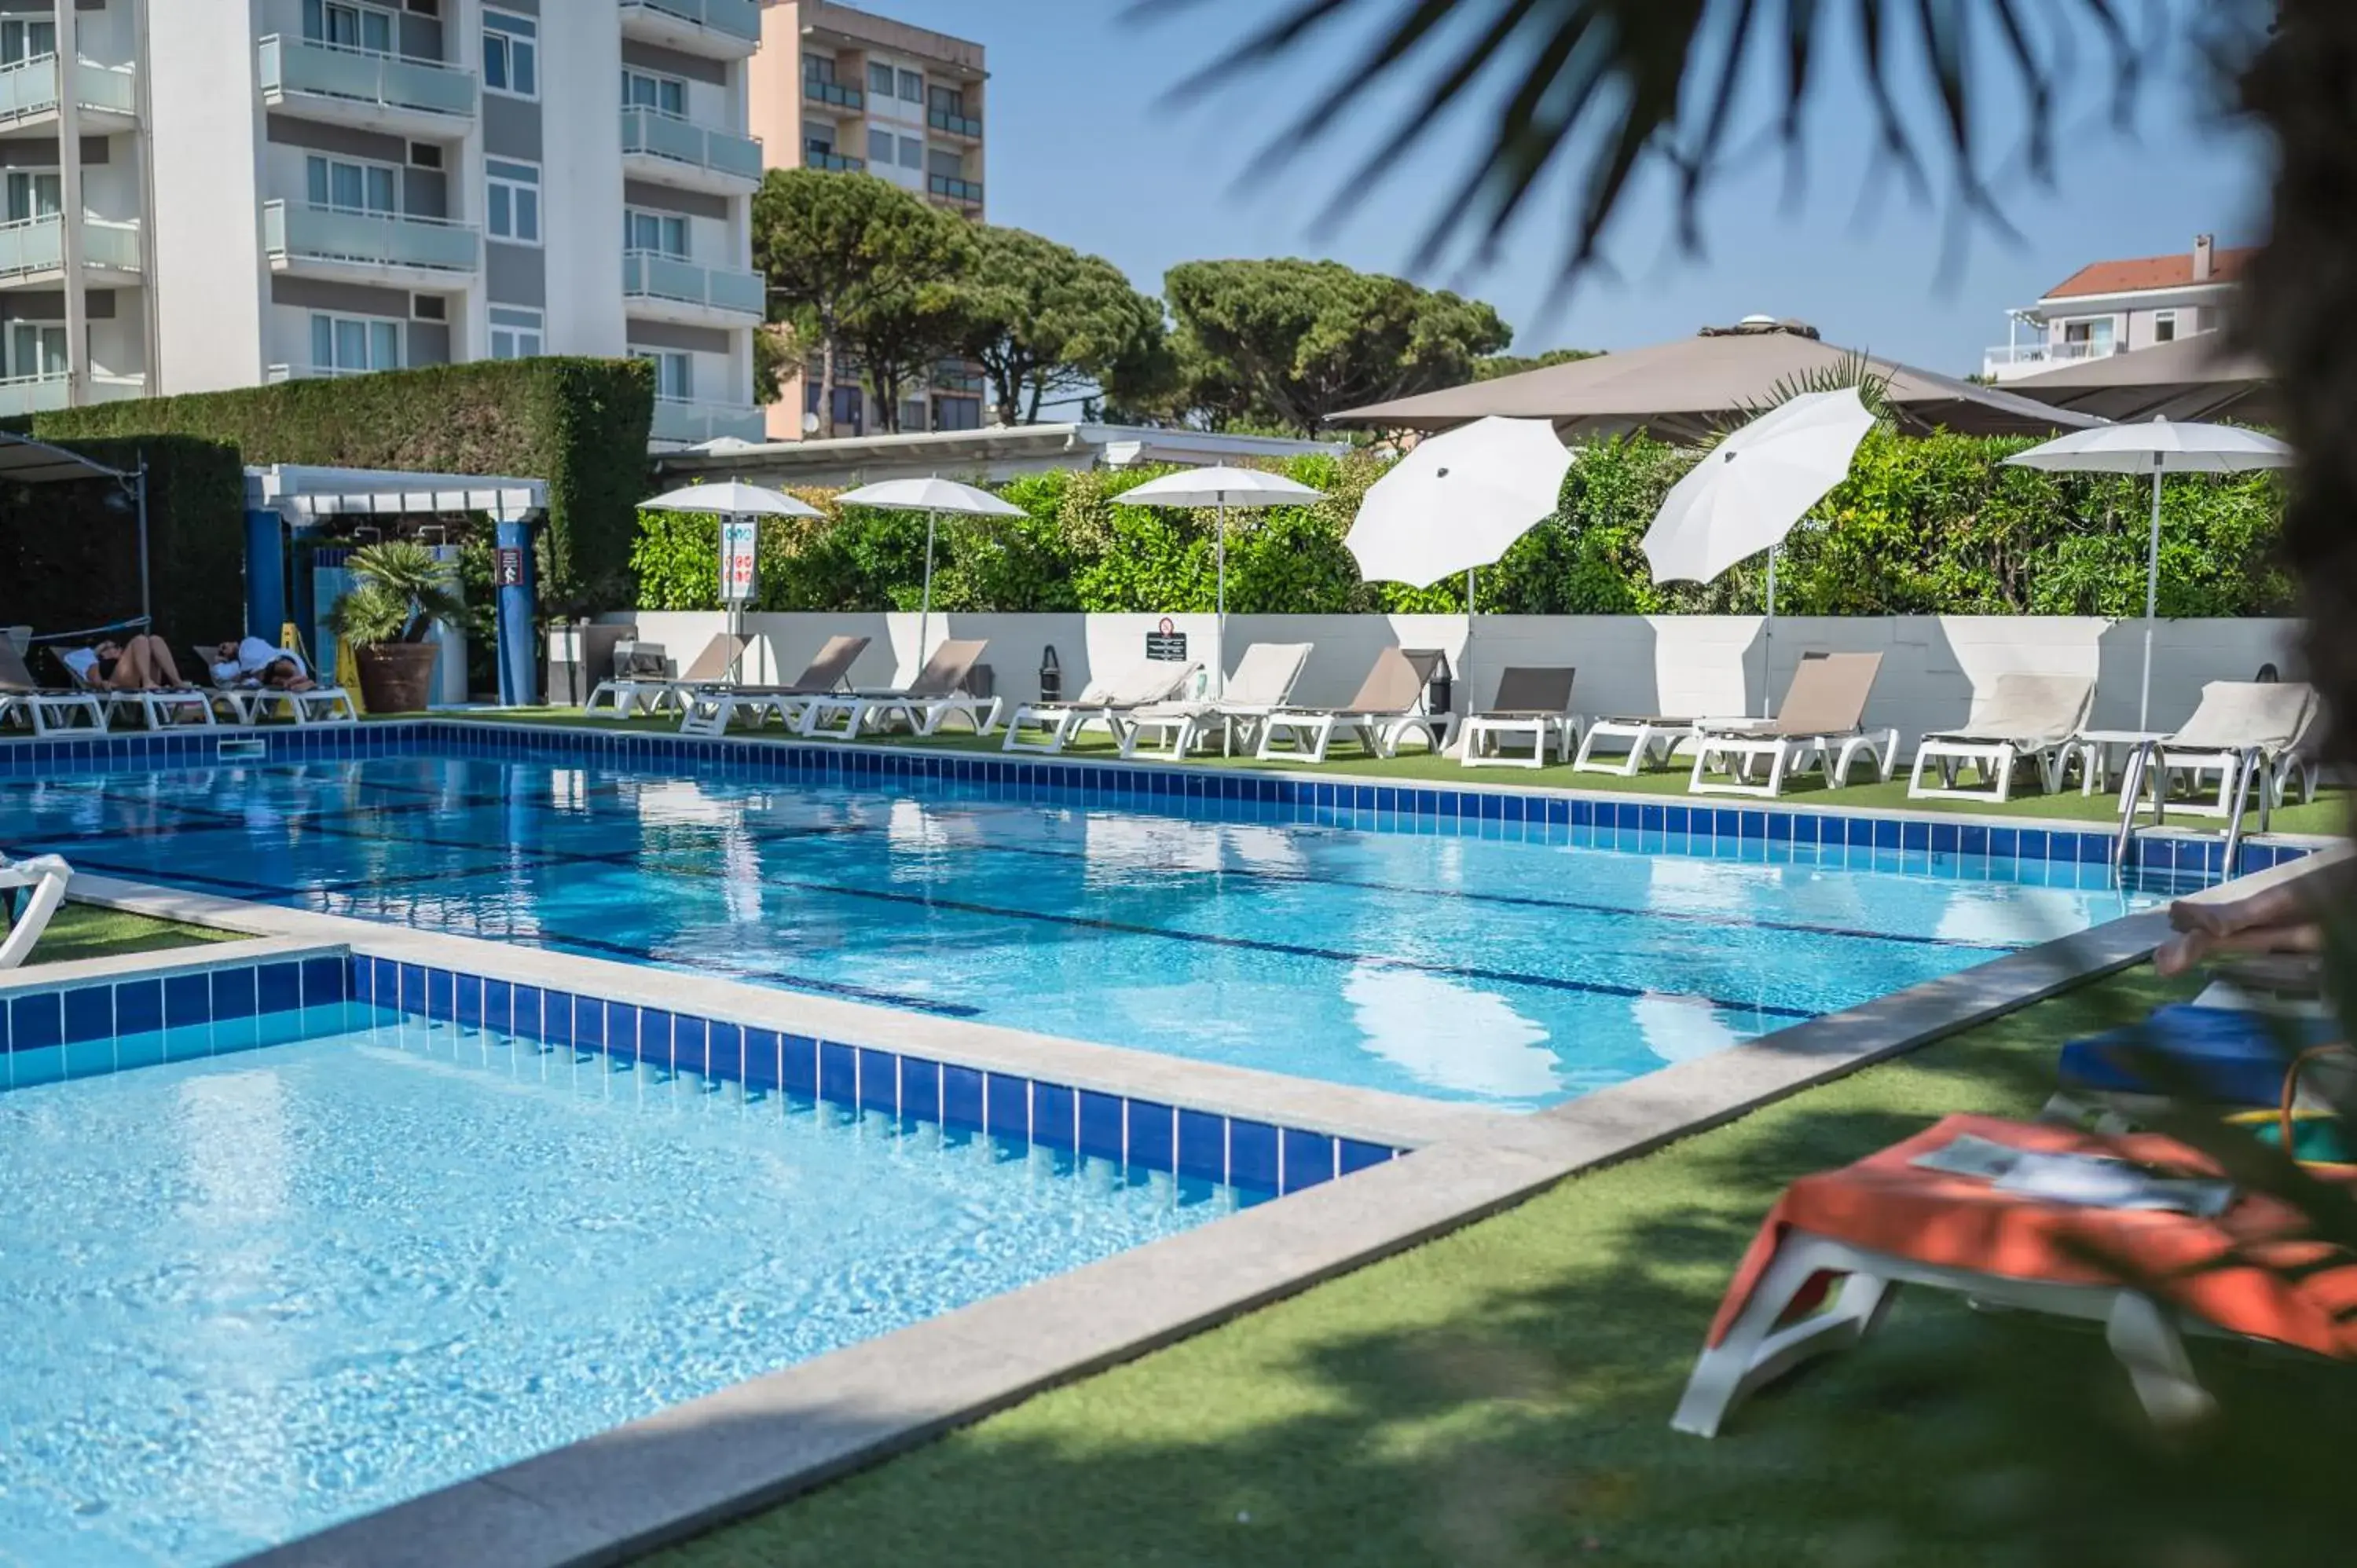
(395,677)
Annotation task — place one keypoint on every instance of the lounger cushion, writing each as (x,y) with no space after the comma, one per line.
(2234,1056)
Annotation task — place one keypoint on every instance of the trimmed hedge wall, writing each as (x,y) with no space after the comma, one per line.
(69,560)
(1923,525)
(579,423)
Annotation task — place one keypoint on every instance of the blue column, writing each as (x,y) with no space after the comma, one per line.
(265,576)
(511,579)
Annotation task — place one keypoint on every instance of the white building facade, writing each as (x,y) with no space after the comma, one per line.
(2110,307)
(270,189)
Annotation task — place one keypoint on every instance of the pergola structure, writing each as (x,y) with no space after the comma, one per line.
(25,461)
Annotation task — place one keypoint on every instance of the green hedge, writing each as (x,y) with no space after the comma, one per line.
(1933,525)
(69,559)
(579,423)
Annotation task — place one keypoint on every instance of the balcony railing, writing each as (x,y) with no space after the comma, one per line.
(736,18)
(276,373)
(835,93)
(663,136)
(37,395)
(693,423)
(37,245)
(651,275)
(394,81)
(956,190)
(814,158)
(293,231)
(957,381)
(31,87)
(956,125)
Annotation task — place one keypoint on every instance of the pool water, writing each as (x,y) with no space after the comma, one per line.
(1514,970)
(254,1294)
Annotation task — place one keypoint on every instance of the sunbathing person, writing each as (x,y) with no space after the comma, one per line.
(141,664)
(254,662)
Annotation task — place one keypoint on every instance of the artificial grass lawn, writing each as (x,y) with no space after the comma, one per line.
(1501,1396)
(2326,814)
(85,931)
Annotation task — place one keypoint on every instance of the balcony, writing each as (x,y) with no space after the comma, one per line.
(957,379)
(2012,361)
(672,151)
(273,374)
(715,29)
(394,93)
(814,158)
(836,94)
(38,394)
(367,247)
(693,423)
(956,189)
(32,251)
(956,125)
(106,95)
(656,287)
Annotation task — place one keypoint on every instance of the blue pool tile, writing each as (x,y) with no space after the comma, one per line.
(1945,838)
(233,994)
(323,981)
(1308,1159)
(588,1021)
(1886,834)
(89,1014)
(1915,835)
(725,1052)
(691,1045)
(469,1009)
(557,1017)
(879,1081)
(1358,1156)
(2033,843)
(1007,1105)
(410,987)
(1973,843)
(1780,827)
(35,1022)
(653,1042)
(1152,1135)
(1101,1125)
(961,1097)
(1202,1146)
(762,1067)
(89,1058)
(1054,1110)
(278,988)
(2004,843)
(838,1074)
(139,1006)
(921,1089)
(1251,1156)
(187,1000)
(799,1054)
(527,1007)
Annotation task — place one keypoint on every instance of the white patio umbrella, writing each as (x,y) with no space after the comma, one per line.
(1455,503)
(2158,447)
(731,499)
(1748,490)
(1222,489)
(933,497)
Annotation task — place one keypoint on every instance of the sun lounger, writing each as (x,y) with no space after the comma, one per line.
(1262,685)
(45,875)
(2262,724)
(1697,679)
(1102,702)
(1384,712)
(1819,722)
(157,710)
(50,710)
(936,695)
(1888,1221)
(1533,704)
(2018,718)
(710,710)
(625,697)
(249,701)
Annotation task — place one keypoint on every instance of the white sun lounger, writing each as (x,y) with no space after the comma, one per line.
(1532,704)
(46,876)
(935,696)
(710,710)
(48,709)
(324,703)
(626,696)
(157,710)
(2020,717)
(1697,679)
(1102,702)
(1262,685)
(1819,722)
(2265,723)
(1382,713)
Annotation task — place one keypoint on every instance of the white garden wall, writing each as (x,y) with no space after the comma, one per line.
(1626,663)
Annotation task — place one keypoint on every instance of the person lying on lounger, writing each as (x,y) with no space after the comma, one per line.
(254,662)
(141,664)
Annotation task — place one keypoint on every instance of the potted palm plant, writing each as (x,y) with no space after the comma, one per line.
(399,593)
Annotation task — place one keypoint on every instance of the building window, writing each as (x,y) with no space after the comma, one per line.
(2164,327)
(879,145)
(512,200)
(663,232)
(913,152)
(515,334)
(957,414)
(850,408)
(663,94)
(21,40)
(346,345)
(32,194)
(947,100)
(343,26)
(511,54)
(347,187)
(675,373)
(35,350)
(947,162)
(912,413)
(912,87)
(879,79)
(2088,339)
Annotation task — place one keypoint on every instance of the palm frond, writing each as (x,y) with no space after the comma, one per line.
(1853,368)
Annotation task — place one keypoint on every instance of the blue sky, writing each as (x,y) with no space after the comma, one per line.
(1082,148)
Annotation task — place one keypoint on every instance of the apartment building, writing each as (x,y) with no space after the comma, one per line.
(840,89)
(2109,307)
(219,193)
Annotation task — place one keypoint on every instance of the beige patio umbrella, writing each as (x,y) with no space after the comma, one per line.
(2196,378)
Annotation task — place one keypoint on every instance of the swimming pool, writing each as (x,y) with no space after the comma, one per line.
(1512,964)
(258,1292)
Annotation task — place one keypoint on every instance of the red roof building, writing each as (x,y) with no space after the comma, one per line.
(2109,307)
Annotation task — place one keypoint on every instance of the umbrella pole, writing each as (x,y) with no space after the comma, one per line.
(1220,642)
(1768,645)
(925,608)
(2151,600)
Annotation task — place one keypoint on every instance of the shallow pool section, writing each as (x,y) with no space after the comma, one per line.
(255,1293)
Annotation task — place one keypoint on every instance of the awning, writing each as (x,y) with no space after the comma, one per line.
(2193,379)
(304,495)
(26,461)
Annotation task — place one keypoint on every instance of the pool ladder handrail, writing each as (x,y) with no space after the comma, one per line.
(2146,764)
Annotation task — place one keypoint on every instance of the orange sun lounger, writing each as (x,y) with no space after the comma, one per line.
(1886,1221)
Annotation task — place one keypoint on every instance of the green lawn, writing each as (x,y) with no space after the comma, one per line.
(1500,1396)
(85,931)
(2328,814)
